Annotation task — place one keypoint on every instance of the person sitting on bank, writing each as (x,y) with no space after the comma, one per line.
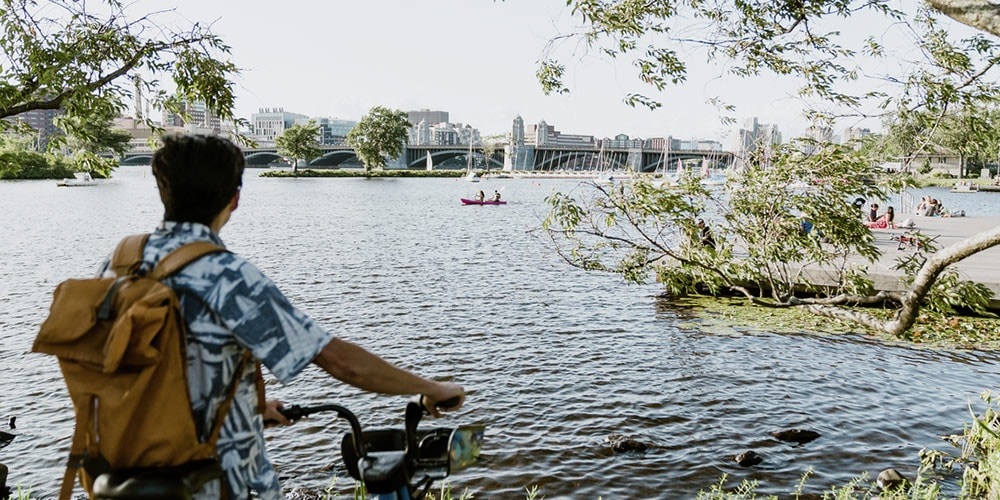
(873,212)
(886,220)
(705,235)
(933,207)
(496,196)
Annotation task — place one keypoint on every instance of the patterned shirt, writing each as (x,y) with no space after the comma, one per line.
(230,307)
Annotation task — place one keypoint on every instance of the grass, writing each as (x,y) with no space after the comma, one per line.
(950,181)
(733,316)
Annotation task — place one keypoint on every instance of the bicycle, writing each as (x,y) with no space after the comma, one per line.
(393,464)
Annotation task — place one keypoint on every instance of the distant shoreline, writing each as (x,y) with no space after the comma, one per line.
(357,172)
(950,182)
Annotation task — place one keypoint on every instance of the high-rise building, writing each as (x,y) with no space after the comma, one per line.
(544,134)
(517,131)
(332,131)
(42,120)
(854,135)
(269,123)
(420,134)
(755,140)
(431,117)
(200,119)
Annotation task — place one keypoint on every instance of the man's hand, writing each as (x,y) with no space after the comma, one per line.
(445,392)
(272,417)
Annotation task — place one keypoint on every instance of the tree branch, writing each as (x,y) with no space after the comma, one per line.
(982,15)
(934,266)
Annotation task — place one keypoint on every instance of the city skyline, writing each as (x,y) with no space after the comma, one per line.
(476,59)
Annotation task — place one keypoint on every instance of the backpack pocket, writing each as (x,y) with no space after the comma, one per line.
(74,311)
(106,323)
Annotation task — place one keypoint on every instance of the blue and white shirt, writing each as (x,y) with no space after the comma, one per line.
(229,307)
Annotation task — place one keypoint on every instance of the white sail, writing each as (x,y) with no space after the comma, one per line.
(430,163)
(470,175)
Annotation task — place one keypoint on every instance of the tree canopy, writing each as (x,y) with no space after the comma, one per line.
(89,59)
(299,142)
(841,70)
(940,100)
(379,135)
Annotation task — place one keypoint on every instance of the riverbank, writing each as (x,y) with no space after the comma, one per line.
(977,183)
(946,231)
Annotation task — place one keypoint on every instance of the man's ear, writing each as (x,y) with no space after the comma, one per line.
(235,203)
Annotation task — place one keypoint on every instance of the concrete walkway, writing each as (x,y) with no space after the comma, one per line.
(983,267)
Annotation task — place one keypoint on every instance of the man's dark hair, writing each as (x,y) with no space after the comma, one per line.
(197,176)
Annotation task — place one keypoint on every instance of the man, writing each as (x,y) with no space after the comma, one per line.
(231,307)
(705,235)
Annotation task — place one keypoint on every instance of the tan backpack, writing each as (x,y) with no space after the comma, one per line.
(121,345)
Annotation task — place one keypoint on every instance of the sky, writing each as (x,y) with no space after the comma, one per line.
(475,59)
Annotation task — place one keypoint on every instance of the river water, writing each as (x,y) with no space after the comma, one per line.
(555,359)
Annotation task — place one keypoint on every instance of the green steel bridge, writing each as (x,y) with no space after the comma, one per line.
(516,158)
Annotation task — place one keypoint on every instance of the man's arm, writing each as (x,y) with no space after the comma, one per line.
(353,365)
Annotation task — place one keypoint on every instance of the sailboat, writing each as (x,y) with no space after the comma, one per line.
(430,163)
(708,178)
(602,176)
(470,174)
(663,178)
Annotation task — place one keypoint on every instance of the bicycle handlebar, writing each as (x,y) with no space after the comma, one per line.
(386,460)
(296,412)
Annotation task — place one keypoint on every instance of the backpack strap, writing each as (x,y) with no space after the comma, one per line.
(220,416)
(177,259)
(128,254)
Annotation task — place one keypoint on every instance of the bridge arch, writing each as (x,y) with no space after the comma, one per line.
(417,159)
(334,158)
(263,158)
(137,160)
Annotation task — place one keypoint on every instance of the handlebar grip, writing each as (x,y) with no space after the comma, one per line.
(448,403)
(293,412)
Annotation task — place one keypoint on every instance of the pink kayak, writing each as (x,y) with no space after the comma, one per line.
(486,202)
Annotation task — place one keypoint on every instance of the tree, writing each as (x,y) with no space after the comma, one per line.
(92,140)
(970,132)
(634,229)
(812,41)
(905,137)
(489,147)
(20,160)
(299,142)
(379,135)
(87,61)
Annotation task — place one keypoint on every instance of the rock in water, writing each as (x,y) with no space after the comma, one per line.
(748,458)
(799,436)
(890,479)
(5,438)
(622,444)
